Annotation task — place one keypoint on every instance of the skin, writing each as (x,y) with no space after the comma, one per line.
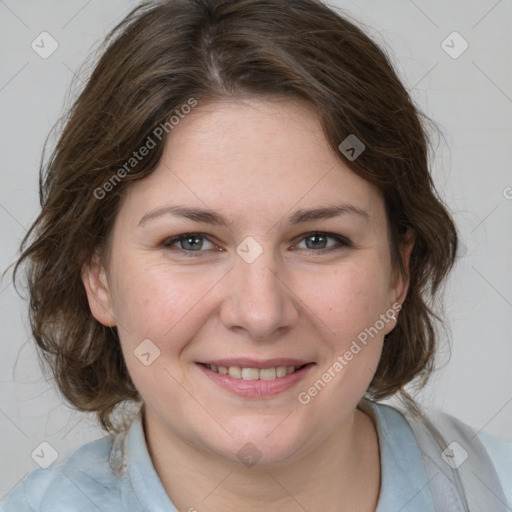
(256,162)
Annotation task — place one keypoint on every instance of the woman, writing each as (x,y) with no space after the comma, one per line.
(240,233)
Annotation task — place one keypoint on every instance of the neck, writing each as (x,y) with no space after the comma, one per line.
(341,474)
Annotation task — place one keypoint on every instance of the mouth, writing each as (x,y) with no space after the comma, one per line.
(253,379)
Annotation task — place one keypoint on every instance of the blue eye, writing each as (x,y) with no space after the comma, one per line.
(189,243)
(318,241)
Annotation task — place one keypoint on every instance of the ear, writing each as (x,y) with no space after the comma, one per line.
(94,277)
(400,282)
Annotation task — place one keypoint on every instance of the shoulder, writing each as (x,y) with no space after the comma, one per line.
(84,480)
(500,452)
(467,448)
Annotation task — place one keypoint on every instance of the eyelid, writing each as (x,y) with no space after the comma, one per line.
(169,242)
(341,240)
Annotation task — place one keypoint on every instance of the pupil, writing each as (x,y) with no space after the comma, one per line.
(316,240)
(193,241)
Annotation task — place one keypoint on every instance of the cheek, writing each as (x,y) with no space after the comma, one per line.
(153,301)
(163,306)
(348,299)
(348,313)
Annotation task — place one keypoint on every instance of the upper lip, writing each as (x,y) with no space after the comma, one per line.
(245,362)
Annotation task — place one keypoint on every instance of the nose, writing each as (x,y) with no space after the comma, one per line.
(258,300)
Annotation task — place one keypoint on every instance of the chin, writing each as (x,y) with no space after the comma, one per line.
(260,444)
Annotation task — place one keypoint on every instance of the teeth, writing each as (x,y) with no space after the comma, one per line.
(250,374)
(236,372)
(268,374)
(281,371)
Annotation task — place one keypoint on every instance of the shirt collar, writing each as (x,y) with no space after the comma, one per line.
(141,473)
(404,482)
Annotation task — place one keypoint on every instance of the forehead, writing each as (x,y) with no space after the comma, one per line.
(265,156)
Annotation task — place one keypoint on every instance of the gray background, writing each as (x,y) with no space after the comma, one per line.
(470,97)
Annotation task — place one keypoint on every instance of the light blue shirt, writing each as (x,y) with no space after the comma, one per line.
(87,482)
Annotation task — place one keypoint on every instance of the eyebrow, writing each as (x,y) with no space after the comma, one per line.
(216,219)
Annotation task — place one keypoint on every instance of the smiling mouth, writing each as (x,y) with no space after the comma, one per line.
(245,373)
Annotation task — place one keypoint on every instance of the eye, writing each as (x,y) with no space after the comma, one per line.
(189,243)
(318,240)
(193,244)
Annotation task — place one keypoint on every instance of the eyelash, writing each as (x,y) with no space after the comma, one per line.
(342,242)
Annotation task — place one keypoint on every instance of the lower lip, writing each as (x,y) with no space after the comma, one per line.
(257,388)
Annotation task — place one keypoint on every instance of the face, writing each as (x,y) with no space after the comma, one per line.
(253,249)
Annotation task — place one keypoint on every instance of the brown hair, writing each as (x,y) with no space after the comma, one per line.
(156,60)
